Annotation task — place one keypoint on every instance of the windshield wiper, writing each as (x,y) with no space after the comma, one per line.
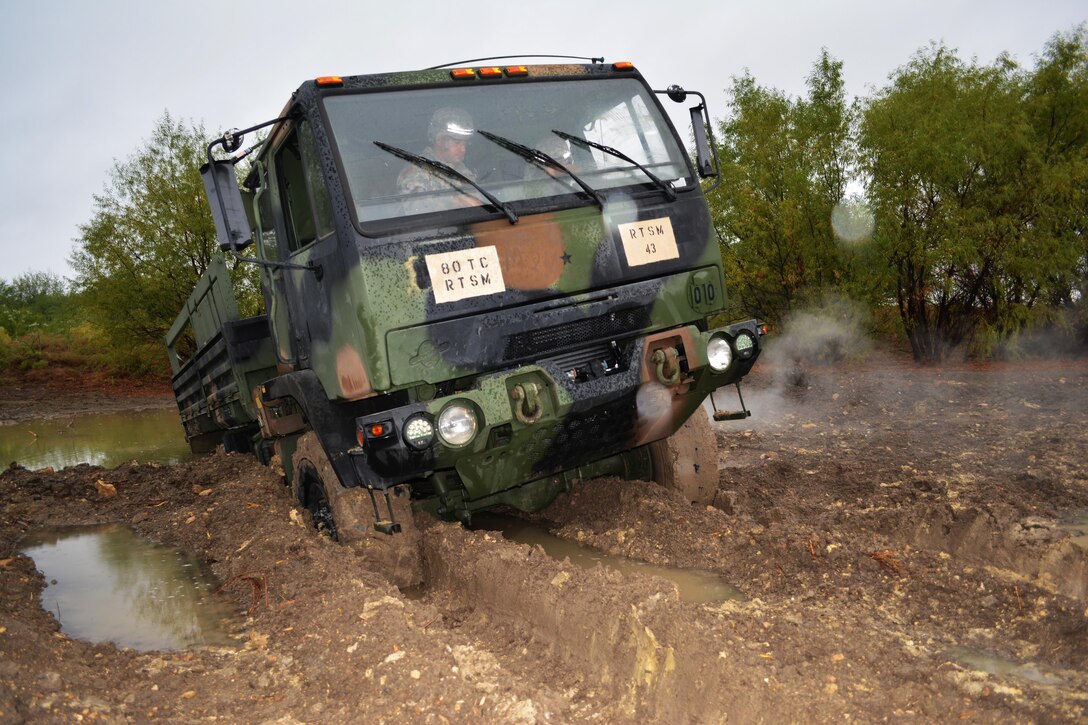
(542,159)
(451,172)
(669,191)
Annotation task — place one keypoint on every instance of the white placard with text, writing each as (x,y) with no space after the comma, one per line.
(648,241)
(465,273)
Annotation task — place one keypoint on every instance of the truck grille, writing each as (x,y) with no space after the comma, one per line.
(577,333)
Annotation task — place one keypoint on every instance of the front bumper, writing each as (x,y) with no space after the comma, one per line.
(561,413)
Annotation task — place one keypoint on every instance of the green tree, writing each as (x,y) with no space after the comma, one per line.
(977,175)
(35,301)
(150,238)
(1056,100)
(786,164)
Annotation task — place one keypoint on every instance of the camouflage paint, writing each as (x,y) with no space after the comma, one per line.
(383,349)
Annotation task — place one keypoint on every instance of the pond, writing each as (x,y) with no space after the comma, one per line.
(106,439)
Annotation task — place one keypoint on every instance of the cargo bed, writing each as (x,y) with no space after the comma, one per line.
(213,387)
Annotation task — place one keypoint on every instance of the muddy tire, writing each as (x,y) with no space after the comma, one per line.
(687,461)
(316,500)
(347,515)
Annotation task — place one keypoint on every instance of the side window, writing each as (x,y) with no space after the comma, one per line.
(265,217)
(302,190)
(318,192)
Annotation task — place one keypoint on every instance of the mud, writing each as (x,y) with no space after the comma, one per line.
(55,393)
(895,531)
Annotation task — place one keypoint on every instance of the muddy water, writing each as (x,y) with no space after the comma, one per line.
(108,439)
(702,587)
(1078,529)
(1001,666)
(106,584)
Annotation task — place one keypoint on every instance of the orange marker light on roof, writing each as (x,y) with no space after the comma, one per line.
(517,70)
(330,81)
(623,65)
(460,74)
(490,72)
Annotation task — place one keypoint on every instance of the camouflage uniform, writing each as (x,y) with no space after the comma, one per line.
(417,183)
(420,183)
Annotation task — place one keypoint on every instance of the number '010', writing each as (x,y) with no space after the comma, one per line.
(701,292)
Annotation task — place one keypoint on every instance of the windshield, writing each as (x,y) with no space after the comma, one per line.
(412,152)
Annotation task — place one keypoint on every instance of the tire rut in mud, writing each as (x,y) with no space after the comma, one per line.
(629,639)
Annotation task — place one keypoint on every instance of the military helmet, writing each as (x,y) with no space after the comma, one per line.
(450,122)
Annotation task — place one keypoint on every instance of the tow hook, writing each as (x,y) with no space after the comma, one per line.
(667,358)
(527,407)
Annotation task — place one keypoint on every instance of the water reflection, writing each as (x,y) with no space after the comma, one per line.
(697,586)
(1077,528)
(107,439)
(107,584)
(995,665)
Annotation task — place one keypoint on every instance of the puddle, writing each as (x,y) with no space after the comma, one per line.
(106,584)
(995,665)
(107,439)
(1078,530)
(701,587)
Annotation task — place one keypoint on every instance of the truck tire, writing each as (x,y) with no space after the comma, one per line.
(687,461)
(347,515)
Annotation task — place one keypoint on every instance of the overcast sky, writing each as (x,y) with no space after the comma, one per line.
(85,80)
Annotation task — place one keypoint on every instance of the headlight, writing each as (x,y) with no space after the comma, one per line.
(746,345)
(418,432)
(718,353)
(456,424)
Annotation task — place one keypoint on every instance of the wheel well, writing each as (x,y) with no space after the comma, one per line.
(309,484)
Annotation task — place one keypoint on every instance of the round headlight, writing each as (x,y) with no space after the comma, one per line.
(745,344)
(418,432)
(718,353)
(457,424)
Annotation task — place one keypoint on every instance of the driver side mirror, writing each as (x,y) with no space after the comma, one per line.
(232,226)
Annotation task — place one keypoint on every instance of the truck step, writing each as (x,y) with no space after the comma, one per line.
(731,414)
(387,527)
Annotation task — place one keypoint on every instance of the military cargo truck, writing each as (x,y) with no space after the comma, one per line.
(482,285)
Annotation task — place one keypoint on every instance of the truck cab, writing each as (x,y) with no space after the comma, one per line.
(484,327)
